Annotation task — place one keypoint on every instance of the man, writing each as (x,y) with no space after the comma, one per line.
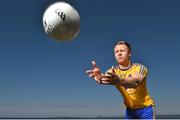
(130,79)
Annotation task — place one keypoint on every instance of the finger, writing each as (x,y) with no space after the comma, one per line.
(91,75)
(106,80)
(89,71)
(110,74)
(106,83)
(98,81)
(107,76)
(113,71)
(94,64)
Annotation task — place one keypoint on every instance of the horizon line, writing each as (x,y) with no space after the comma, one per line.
(98,117)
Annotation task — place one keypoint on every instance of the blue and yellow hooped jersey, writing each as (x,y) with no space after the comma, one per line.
(138,97)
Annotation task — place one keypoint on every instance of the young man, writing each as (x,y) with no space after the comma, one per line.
(130,79)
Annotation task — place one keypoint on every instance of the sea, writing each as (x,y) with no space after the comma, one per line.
(161,117)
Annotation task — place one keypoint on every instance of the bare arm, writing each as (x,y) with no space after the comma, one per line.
(110,78)
(132,81)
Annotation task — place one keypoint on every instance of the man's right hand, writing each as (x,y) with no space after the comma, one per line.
(95,73)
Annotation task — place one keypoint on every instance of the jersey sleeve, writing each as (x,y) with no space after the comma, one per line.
(142,70)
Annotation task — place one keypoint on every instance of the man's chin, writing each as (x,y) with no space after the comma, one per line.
(120,61)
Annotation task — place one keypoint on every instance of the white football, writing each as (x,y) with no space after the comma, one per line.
(61,21)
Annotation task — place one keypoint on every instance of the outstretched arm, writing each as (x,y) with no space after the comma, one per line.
(131,82)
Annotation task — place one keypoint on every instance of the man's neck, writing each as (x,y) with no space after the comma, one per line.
(126,65)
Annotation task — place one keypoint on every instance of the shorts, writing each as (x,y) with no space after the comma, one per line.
(142,113)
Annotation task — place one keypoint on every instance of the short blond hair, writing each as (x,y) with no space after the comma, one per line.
(123,43)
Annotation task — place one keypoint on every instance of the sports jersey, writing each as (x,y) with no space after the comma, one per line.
(138,97)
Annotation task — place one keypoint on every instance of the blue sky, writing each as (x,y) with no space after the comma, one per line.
(40,77)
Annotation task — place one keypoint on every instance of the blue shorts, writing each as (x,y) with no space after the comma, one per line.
(142,113)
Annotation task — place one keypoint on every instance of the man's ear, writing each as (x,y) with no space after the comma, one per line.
(130,53)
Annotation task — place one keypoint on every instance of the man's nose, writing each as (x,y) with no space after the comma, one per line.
(119,54)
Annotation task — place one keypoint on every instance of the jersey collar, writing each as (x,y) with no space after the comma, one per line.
(125,68)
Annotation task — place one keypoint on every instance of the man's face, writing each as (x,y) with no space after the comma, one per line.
(122,53)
